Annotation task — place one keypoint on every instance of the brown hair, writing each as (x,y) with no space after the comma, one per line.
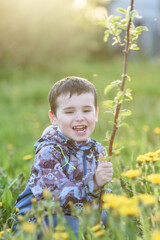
(71,85)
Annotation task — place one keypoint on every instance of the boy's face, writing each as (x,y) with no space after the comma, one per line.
(76,116)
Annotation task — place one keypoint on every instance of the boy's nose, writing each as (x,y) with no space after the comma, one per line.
(79,117)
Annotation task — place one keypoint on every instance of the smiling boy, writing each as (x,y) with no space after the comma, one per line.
(66,160)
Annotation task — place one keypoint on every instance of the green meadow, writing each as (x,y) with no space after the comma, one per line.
(24,108)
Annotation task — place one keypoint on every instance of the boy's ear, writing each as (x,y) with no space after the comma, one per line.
(97,112)
(52,118)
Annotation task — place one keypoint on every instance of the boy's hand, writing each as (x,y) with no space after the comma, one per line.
(104,172)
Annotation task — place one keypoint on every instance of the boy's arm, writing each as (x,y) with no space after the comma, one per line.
(47,172)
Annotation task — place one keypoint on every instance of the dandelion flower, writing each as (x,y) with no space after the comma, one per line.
(1,204)
(157,131)
(99,233)
(155,235)
(1,233)
(140,159)
(17,210)
(29,227)
(131,173)
(129,210)
(33,200)
(27,157)
(60,228)
(114,201)
(154,178)
(147,198)
(47,194)
(60,236)
(145,128)
(96,228)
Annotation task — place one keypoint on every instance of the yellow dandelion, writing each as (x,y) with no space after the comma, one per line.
(140,159)
(60,236)
(131,173)
(114,201)
(155,159)
(29,227)
(158,151)
(146,128)
(47,194)
(20,217)
(59,228)
(99,233)
(155,235)
(117,152)
(157,131)
(17,210)
(9,146)
(1,204)
(154,178)
(147,198)
(96,228)
(129,211)
(27,157)
(1,233)
(151,154)
(33,200)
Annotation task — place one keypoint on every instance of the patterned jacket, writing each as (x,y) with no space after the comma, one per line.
(64,167)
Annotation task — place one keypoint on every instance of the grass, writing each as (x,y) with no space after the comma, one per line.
(23,117)
(24,106)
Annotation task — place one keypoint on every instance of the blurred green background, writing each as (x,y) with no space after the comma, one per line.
(44,41)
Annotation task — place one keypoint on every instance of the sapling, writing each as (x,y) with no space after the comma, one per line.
(125,34)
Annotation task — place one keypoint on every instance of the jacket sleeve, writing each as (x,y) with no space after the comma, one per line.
(47,172)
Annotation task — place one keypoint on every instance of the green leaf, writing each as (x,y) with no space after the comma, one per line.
(134,47)
(6,197)
(115,19)
(109,104)
(106,36)
(141,28)
(109,87)
(122,10)
(103,24)
(125,112)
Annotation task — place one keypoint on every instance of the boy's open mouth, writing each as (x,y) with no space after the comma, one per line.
(80,129)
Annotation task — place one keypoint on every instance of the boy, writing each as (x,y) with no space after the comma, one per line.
(66,161)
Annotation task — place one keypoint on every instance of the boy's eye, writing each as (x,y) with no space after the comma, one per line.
(69,112)
(87,110)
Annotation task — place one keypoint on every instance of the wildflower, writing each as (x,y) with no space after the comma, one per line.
(9,146)
(113,201)
(99,233)
(8,229)
(60,236)
(145,128)
(140,159)
(47,194)
(117,152)
(129,210)
(20,217)
(157,131)
(131,173)
(29,227)
(33,200)
(158,151)
(96,228)
(1,204)
(154,178)
(155,235)
(17,210)
(147,199)
(1,233)
(27,157)
(60,228)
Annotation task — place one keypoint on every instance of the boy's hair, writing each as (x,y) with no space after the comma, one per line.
(71,85)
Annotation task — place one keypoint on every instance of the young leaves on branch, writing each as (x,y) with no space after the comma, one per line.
(117,26)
